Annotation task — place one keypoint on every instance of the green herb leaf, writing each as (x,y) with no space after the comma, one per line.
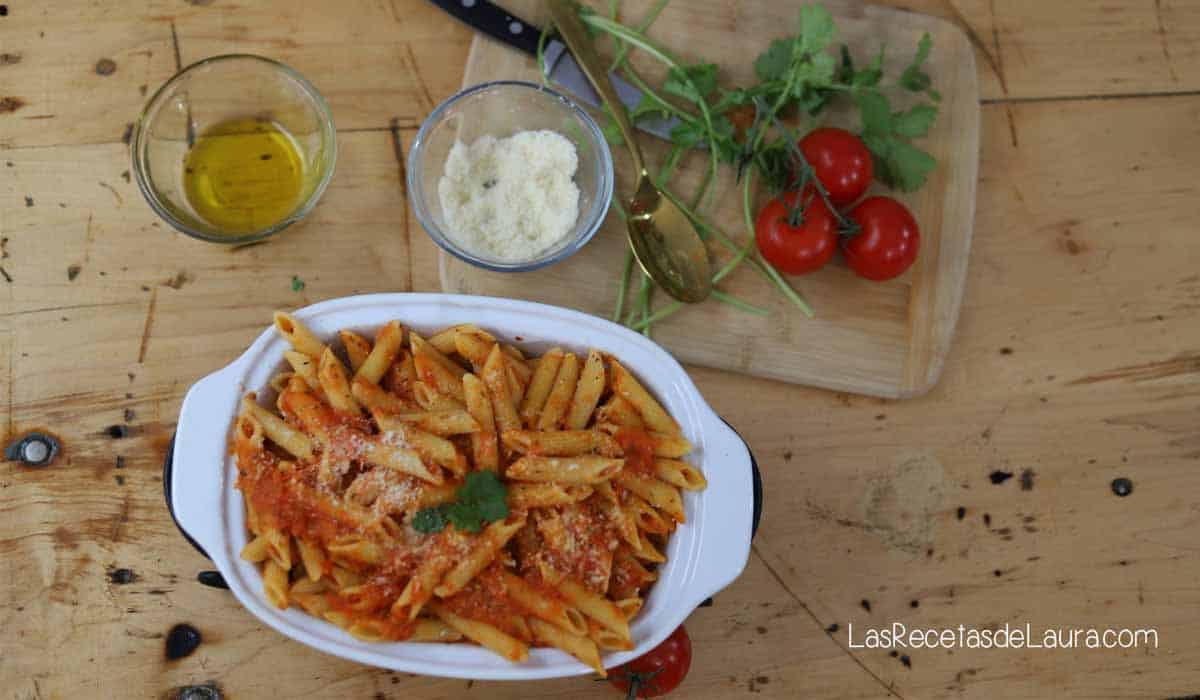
(693,82)
(908,166)
(873,73)
(297,284)
(429,520)
(875,111)
(773,63)
(816,28)
(482,498)
(688,134)
(612,132)
(913,78)
(915,122)
(647,108)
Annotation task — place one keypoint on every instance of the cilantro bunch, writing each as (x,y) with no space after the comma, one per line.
(796,75)
(482,498)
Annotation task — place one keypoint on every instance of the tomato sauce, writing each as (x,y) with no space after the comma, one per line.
(639,451)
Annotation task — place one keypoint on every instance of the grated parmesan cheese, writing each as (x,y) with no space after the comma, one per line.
(512,198)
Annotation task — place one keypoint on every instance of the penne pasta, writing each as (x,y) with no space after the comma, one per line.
(560,393)
(543,605)
(596,607)
(375,398)
(357,348)
(277,430)
(680,474)
(579,646)
(335,383)
(619,413)
(539,386)
(255,550)
(484,634)
(566,470)
(429,629)
(545,495)
(429,446)
(629,388)
(659,494)
(496,381)
(383,354)
(606,639)
(296,333)
(313,557)
(646,517)
(446,422)
(430,399)
(484,444)
(561,443)
(587,392)
(401,376)
(487,546)
(275,584)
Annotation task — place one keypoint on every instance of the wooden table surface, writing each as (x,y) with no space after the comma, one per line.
(1076,362)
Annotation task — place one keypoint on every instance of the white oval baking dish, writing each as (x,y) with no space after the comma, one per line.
(704,555)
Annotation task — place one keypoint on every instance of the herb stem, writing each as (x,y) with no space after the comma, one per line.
(623,285)
(648,20)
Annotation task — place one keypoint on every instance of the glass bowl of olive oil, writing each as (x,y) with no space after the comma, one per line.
(234,148)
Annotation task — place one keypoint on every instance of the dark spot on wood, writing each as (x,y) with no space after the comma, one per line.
(866,604)
(1004,531)
(9,59)
(128,135)
(1122,486)
(28,201)
(120,462)
(213,579)
(961,513)
(893,653)
(66,537)
(145,288)
(997,573)
(787,455)
(10,104)
(1073,247)
(142,89)
(73,272)
(3,10)
(199,3)
(1033,558)
(121,577)
(181,278)
(906,661)
(206,691)
(125,176)
(833,627)
(929,552)
(760,629)
(182,640)
(265,156)
(4,273)
(379,696)
(116,432)
(880,416)
(120,480)
(999,477)
(987,519)
(1006,350)
(914,604)
(106,66)
(129,415)
(1027,479)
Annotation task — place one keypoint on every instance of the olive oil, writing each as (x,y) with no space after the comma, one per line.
(243,175)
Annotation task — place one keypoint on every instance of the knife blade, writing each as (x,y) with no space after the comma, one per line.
(561,68)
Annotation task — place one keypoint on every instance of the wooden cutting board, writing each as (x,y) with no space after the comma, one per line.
(884,339)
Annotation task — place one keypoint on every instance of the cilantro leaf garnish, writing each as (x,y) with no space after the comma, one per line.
(482,498)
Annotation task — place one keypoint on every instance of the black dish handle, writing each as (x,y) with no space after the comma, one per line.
(212,578)
(494,21)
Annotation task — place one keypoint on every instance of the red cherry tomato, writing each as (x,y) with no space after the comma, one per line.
(659,671)
(801,248)
(887,242)
(841,161)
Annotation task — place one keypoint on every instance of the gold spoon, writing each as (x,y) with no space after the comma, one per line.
(664,240)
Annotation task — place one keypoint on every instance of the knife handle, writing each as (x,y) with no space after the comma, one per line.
(494,21)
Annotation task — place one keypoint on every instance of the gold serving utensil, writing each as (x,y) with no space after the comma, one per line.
(664,240)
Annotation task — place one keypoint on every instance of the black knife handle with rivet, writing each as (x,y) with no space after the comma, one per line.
(494,21)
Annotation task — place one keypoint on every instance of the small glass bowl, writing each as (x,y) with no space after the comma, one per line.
(500,109)
(214,90)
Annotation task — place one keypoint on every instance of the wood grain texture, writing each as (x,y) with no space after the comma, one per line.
(1075,358)
(882,339)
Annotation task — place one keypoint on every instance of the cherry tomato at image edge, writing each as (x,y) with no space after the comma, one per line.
(795,250)
(841,162)
(658,671)
(887,241)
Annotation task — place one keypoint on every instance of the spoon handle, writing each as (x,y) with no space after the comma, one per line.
(562,13)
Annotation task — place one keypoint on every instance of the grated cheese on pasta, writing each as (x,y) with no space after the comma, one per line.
(510,199)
